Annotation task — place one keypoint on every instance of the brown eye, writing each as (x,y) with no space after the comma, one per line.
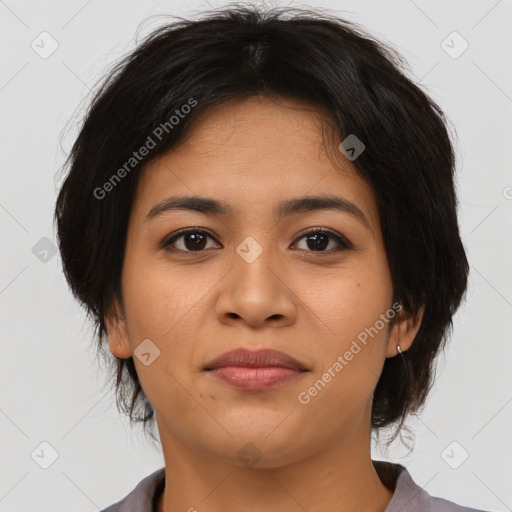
(317,240)
(194,240)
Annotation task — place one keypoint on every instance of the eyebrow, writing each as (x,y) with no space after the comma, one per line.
(284,209)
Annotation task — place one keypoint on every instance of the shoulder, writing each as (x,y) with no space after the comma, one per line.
(142,497)
(442,505)
(408,496)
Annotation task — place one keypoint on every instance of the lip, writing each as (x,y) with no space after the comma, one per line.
(255,370)
(255,358)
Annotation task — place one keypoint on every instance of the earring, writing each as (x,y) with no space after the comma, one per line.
(399,349)
(119,334)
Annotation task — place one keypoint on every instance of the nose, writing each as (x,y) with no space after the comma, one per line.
(257,293)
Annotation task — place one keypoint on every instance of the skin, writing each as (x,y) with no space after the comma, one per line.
(194,306)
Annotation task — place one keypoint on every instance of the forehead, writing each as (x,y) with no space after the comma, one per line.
(258,114)
(252,152)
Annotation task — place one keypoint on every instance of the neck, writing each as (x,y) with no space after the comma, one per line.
(339,478)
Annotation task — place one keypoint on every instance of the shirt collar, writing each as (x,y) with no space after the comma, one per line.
(407,495)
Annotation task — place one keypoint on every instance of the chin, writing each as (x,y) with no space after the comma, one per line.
(259,449)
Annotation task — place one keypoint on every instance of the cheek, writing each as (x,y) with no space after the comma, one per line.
(355,312)
(162,302)
(353,299)
(340,389)
(162,297)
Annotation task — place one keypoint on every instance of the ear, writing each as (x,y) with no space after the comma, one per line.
(115,324)
(403,332)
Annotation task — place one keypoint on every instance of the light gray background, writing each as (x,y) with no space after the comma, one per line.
(52,388)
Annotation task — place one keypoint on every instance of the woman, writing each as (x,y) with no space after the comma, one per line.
(260,217)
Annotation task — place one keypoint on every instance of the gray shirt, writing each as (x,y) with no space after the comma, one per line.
(407,497)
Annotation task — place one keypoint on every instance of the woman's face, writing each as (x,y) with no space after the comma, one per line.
(255,279)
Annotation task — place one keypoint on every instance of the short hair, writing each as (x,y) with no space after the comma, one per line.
(314,57)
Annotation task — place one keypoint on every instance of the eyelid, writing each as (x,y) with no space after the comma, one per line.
(343,242)
(166,243)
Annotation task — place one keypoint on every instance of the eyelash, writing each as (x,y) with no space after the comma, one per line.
(343,243)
